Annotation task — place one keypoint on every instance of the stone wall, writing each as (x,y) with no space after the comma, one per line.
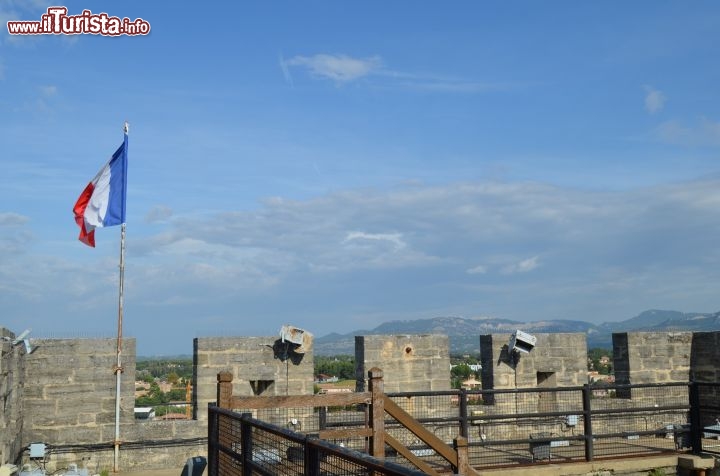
(259,365)
(69,404)
(63,394)
(410,363)
(69,394)
(558,360)
(651,357)
(68,389)
(146,445)
(12,360)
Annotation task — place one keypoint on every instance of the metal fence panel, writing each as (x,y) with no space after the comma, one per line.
(502,427)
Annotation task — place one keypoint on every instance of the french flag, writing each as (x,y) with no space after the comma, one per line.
(102,203)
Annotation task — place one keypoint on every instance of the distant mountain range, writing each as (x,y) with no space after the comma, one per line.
(464,333)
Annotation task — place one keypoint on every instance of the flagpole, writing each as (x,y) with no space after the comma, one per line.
(118,367)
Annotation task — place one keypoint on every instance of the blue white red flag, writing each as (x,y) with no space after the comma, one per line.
(102,203)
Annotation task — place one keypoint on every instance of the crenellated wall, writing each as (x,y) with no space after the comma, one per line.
(69,395)
(68,402)
(259,365)
(409,362)
(651,357)
(560,360)
(63,393)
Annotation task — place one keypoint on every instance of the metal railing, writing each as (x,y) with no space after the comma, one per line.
(705,417)
(242,445)
(577,424)
(521,426)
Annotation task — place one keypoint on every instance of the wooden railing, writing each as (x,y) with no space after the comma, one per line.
(379,404)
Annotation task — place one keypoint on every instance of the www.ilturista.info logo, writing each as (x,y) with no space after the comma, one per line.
(57,22)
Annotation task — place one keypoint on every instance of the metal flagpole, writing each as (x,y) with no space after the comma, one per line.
(118,366)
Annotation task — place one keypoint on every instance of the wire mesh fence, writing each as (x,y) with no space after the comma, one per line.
(708,415)
(502,427)
(239,444)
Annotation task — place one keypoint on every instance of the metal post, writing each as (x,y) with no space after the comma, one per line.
(463,413)
(246,444)
(312,457)
(213,449)
(587,422)
(695,422)
(118,365)
(322,418)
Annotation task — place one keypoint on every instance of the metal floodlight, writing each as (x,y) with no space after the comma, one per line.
(21,337)
(300,337)
(28,347)
(521,342)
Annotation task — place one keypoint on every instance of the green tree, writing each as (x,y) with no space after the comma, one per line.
(176,395)
(459,373)
(173,378)
(340,366)
(595,356)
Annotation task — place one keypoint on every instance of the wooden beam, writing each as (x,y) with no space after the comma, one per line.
(300,401)
(345,433)
(377,413)
(421,432)
(407,454)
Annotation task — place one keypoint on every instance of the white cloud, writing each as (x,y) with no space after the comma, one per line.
(158,214)
(339,68)
(285,71)
(394,238)
(441,83)
(479,269)
(705,132)
(654,100)
(342,68)
(48,90)
(12,219)
(503,249)
(523,266)
(14,237)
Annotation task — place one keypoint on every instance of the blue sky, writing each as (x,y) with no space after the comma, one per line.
(334,165)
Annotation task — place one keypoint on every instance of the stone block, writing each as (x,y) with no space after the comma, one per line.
(79,403)
(696,462)
(34,405)
(107,417)
(86,418)
(154,430)
(80,434)
(68,391)
(38,420)
(46,434)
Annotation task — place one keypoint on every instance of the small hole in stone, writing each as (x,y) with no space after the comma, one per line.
(408,350)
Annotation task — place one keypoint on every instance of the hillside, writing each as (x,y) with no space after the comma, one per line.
(464,333)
